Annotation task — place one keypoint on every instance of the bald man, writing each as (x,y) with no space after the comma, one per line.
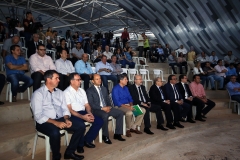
(15,40)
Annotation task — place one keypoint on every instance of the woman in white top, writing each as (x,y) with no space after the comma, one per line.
(198,70)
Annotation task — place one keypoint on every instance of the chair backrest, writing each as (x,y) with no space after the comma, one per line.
(229,95)
(158,73)
(25,51)
(41,41)
(132,73)
(125,70)
(111,101)
(51,52)
(145,74)
(135,60)
(94,69)
(143,59)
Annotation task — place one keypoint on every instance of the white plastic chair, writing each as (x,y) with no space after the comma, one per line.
(158,73)
(94,70)
(22,39)
(112,49)
(9,92)
(53,53)
(47,145)
(25,52)
(125,70)
(136,61)
(234,104)
(144,60)
(145,76)
(131,74)
(41,41)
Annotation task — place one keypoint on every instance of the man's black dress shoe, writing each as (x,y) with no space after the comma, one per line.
(73,156)
(182,120)
(161,127)
(191,121)
(1,103)
(200,119)
(170,126)
(80,150)
(177,124)
(147,130)
(106,140)
(89,145)
(118,137)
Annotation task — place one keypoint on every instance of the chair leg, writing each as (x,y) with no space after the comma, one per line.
(7,92)
(113,125)
(238,108)
(47,146)
(100,135)
(66,138)
(28,90)
(21,94)
(34,145)
(124,126)
(10,93)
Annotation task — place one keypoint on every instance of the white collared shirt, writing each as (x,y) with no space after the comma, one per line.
(64,67)
(186,94)
(77,99)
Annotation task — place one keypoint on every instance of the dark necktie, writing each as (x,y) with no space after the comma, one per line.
(161,93)
(141,96)
(101,97)
(175,91)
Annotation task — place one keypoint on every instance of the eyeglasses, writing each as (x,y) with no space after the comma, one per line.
(42,49)
(77,79)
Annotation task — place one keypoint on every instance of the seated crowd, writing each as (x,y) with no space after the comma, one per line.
(60,102)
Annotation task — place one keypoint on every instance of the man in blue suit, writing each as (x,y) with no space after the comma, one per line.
(179,107)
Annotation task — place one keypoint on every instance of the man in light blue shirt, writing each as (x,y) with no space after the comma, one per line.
(231,70)
(84,69)
(105,70)
(233,88)
(160,51)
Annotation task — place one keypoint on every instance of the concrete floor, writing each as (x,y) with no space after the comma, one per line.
(218,143)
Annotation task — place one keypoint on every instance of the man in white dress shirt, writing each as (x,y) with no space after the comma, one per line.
(108,54)
(105,70)
(80,110)
(64,68)
(181,49)
(52,115)
(39,64)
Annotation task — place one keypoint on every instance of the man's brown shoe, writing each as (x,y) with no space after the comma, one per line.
(135,131)
(128,134)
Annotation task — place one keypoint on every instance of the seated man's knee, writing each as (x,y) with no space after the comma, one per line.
(129,113)
(143,110)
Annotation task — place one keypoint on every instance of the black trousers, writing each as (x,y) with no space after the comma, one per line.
(115,113)
(205,109)
(158,110)
(86,78)
(2,82)
(53,133)
(37,78)
(179,111)
(199,107)
(64,81)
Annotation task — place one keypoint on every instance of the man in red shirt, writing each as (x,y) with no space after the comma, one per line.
(198,92)
(125,36)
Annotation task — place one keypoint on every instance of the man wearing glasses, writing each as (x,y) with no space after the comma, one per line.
(84,69)
(39,64)
(179,107)
(64,68)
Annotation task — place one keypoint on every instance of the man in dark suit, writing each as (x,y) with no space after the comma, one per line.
(99,101)
(167,50)
(187,97)
(140,97)
(32,45)
(159,102)
(180,108)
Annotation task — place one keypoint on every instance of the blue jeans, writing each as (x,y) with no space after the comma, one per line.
(14,80)
(236,98)
(92,132)
(124,62)
(105,79)
(216,78)
(203,80)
